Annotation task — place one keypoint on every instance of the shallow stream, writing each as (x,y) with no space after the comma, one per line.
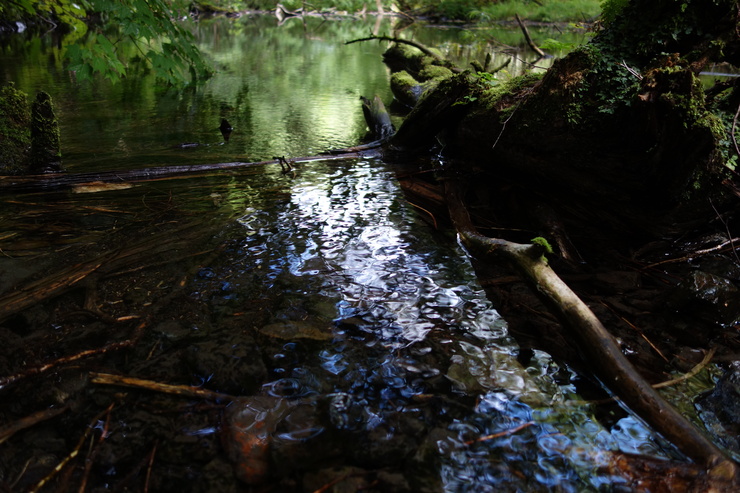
(360,348)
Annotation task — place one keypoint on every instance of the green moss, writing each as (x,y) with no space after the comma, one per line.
(15,140)
(543,243)
(45,147)
(434,72)
(492,91)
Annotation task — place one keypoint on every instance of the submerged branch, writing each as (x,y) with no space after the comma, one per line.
(595,342)
(182,390)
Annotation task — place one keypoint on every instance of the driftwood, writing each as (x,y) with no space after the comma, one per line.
(596,343)
(53,181)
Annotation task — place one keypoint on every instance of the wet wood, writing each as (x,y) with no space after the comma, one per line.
(139,383)
(49,287)
(377,118)
(8,381)
(530,42)
(597,345)
(122,179)
(10,429)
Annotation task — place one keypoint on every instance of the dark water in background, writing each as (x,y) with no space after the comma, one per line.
(402,306)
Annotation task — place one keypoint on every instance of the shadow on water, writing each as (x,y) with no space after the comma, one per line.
(359,349)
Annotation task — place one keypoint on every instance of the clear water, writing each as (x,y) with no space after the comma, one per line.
(401,317)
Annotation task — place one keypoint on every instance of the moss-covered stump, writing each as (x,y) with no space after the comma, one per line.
(15,141)
(46,155)
(29,134)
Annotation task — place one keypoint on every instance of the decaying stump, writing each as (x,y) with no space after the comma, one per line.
(46,155)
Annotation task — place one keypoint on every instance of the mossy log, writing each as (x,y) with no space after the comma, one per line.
(46,155)
(624,136)
(15,120)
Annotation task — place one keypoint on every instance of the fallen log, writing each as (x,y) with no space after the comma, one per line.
(530,42)
(597,345)
(55,181)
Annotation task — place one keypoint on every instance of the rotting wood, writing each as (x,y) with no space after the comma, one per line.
(377,118)
(596,343)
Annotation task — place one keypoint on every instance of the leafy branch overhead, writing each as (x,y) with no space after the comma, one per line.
(113,38)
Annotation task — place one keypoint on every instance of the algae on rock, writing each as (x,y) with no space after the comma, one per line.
(29,135)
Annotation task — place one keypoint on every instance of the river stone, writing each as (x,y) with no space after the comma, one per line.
(246,434)
(298,329)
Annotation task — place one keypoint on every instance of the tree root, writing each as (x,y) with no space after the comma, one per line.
(595,342)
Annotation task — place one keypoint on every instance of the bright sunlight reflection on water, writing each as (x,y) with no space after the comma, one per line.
(409,320)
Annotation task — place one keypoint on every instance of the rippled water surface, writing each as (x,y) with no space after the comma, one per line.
(376,338)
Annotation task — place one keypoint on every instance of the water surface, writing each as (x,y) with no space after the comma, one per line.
(370,324)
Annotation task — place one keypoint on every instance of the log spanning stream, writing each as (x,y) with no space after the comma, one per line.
(255,329)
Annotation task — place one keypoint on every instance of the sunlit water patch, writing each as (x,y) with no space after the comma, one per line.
(405,324)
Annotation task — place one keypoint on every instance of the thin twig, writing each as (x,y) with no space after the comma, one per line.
(12,379)
(149,468)
(72,454)
(500,434)
(727,228)
(183,390)
(9,430)
(696,253)
(639,331)
(699,367)
(434,219)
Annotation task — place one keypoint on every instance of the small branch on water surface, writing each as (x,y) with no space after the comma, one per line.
(182,390)
(597,345)
(500,434)
(53,181)
(49,287)
(731,243)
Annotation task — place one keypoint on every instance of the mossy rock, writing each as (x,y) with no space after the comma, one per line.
(15,138)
